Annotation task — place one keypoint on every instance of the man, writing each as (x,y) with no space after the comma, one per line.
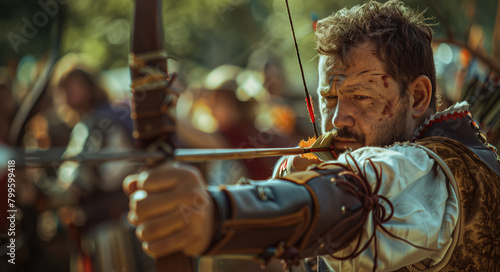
(429,200)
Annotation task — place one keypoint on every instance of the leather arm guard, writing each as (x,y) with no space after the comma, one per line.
(314,212)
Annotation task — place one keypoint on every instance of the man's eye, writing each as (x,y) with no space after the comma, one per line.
(330,97)
(360,97)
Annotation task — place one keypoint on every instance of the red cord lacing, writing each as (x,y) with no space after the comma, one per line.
(358,185)
(453,116)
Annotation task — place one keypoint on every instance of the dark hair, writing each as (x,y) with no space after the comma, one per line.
(401,35)
(96,93)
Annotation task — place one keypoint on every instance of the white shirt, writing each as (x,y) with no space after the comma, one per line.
(426,209)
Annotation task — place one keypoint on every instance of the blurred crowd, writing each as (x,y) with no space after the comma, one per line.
(72,215)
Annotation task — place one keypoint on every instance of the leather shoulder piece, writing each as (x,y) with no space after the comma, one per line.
(313,212)
(461,130)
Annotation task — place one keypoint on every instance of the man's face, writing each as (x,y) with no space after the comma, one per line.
(361,102)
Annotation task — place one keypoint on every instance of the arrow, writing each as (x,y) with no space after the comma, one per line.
(47,158)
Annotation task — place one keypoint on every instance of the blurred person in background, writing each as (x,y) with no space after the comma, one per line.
(101,127)
(97,203)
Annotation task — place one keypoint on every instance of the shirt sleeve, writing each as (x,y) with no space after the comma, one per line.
(425,205)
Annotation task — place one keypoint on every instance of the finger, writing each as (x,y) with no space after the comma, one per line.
(147,205)
(167,177)
(132,216)
(130,184)
(171,244)
(161,226)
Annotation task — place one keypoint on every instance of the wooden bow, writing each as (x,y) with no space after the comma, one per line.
(153,101)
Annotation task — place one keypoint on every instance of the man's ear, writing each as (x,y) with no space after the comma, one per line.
(421,90)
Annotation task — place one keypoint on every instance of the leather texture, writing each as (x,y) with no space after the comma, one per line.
(337,209)
(256,217)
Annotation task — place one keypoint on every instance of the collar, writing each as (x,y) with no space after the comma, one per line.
(457,111)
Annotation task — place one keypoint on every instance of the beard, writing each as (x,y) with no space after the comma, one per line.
(394,130)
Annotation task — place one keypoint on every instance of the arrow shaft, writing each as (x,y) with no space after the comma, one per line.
(49,158)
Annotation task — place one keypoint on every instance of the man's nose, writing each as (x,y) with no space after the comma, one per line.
(343,115)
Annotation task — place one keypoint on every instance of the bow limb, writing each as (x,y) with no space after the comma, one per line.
(153,101)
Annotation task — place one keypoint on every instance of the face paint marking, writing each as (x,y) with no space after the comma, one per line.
(384,79)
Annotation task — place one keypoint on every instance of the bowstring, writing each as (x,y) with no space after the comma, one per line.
(310,108)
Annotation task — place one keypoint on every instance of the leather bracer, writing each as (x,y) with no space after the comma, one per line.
(303,210)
